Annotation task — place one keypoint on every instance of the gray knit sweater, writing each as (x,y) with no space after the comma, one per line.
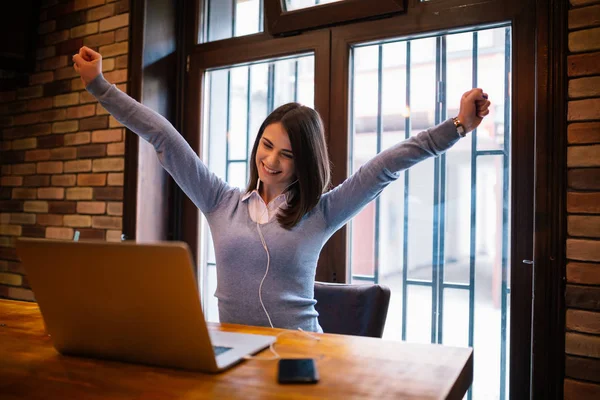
(241,259)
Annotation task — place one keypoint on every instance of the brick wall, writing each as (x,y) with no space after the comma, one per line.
(61,154)
(582,345)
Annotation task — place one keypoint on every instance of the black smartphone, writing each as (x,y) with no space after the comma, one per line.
(297,370)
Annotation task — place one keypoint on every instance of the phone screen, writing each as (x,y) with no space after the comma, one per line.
(297,370)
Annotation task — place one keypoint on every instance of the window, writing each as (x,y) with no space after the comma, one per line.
(438,237)
(222,19)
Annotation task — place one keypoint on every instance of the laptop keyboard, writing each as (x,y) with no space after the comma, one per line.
(220,349)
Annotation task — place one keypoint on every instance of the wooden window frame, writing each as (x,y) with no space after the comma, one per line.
(278,21)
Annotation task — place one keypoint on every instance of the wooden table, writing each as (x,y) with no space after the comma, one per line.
(349,367)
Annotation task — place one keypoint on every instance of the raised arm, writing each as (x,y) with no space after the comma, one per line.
(204,188)
(346,200)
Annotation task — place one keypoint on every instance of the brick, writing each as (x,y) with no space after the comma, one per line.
(63,153)
(24,193)
(11,205)
(22,219)
(77,84)
(103,12)
(122,6)
(65,126)
(36,181)
(69,47)
(577,3)
(51,141)
(86,97)
(71,20)
(115,149)
(81,111)
(55,62)
(115,49)
(35,206)
(100,110)
(583,321)
(91,234)
(108,64)
(26,119)
(113,236)
(42,103)
(582,345)
(584,40)
(584,132)
(106,222)
(62,207)
(84,4)
(107,136)
(4,220)
(37,155)
(27,131)
(113,123)
(74,139)
(583,109)
(583,273)
(57,87)
(79,193)
(108,193)
(583,64)
(59,233)
(584,17)
(583,156)
(584,250)
(117,76)
(78,221)
(53,115)
(66,73)
(84,30)
(91,207)
(59,9)
(64,180)
(24,169)
(586,226)
(122,62)
(115,179)
(17,293)
(7,96)
(115,22)
(584,87)
(50,220)
(587,179)
(51,193)
(78,166)
(113,208)
(122,34)
(41,77)
(5,193)
(99,39)
(46,27)
(42,53)
(11,181)
(91,180)
(94,123)
(30,92)
(50,167)
(91,151)
(10,279)
(10,230)
(15,267)
(23,144)
(15,107)
(108,164)
(12,157)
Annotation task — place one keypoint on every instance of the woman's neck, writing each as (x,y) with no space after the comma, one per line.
(269,192)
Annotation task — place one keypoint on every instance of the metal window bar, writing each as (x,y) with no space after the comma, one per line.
(407,129)
(378,150)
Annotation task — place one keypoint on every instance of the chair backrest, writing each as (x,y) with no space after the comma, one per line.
(359,310)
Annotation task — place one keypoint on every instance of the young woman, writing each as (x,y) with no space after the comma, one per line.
(268,238)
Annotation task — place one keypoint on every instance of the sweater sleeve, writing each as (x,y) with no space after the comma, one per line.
(203,187)
(346,200)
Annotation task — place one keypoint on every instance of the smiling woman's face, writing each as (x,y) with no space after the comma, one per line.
(274,158)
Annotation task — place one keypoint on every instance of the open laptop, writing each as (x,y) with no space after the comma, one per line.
(129,302)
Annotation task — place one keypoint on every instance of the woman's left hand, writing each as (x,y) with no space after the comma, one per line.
(474,105)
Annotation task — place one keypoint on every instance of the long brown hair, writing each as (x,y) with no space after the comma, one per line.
(311,161)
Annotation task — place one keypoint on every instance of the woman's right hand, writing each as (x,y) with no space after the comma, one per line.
(88,64)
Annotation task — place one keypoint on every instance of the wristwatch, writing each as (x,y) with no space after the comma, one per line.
(459,127)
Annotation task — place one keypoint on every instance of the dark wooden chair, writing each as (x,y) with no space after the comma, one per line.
(359,310)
